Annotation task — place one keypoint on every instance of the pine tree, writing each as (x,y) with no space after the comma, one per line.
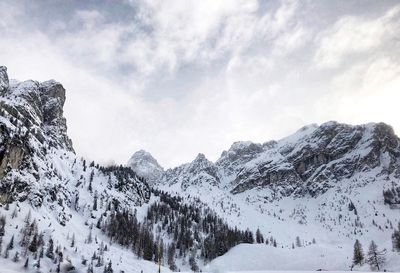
(259,237)
(298,242)
(50,249)
(90,268)
(376,259)
(396,239)
(14,213)
(16,257)
(95,202)
(108,268)
(73,240)
(358,255)
(171,257)
(26,265)
(192,262)
(41,253)
(2,226)
(34,243)
(11,243)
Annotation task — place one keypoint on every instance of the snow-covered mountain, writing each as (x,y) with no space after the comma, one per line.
(60,213)
(308,162)
(51,199)
(145,165)
(322,179)
(317,190)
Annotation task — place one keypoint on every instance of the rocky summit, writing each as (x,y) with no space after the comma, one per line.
(309,162)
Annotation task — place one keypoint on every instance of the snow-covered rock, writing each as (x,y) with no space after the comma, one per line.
(45,185)
(308,162)
(145,165)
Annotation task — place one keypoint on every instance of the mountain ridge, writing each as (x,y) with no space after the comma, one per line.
(312,155)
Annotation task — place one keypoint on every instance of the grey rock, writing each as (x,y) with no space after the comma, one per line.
(4,83)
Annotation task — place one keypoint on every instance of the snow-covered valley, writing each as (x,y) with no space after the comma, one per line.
(296,204)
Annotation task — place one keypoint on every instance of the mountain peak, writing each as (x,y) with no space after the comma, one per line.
(145,165)
(200,157)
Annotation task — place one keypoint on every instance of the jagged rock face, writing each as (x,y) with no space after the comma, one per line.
(199,172)
(310,161)
(4,84)
(144,164)
(323,157)
(231,161)
(31,118)
(37,159)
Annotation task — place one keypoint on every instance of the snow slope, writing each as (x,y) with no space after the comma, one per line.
(323,183)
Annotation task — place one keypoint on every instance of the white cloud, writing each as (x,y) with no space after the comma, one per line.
(246,66)
(355,35)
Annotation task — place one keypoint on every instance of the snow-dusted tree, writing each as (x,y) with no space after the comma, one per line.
(50,249)
(171,257)
(2,225)
(11,243)
(358,255)
(396,239)
(89,239)
(192,261)
(26,265)
(259,237)
(108,268)
(376,258)
(298,242)
(28,217)
(73,240)
(41,253)
(14,213)
(90,268)
(16,257)
(6,253)
(34,243)
(95,201)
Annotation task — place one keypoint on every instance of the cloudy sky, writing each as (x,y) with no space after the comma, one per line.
(181,77)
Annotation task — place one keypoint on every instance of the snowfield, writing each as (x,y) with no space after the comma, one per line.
(263,258)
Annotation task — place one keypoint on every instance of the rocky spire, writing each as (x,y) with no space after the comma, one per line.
(4,84)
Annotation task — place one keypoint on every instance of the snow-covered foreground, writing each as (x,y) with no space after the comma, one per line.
(262,258)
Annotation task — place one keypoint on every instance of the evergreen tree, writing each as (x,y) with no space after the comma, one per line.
(396,239)
(358,255)
(192,262)
(26,265)
(298,242)
(11,244)
(73,240)
(259,237)
(95,202)
(16,257)
(108,268)
(376,259)
(2,225)
(50,249)
(41,253)
(34,243)
(171,257)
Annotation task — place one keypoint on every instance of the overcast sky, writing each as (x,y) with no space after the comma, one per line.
(186,76)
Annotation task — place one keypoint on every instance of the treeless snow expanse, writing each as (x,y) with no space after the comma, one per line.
(262,258)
